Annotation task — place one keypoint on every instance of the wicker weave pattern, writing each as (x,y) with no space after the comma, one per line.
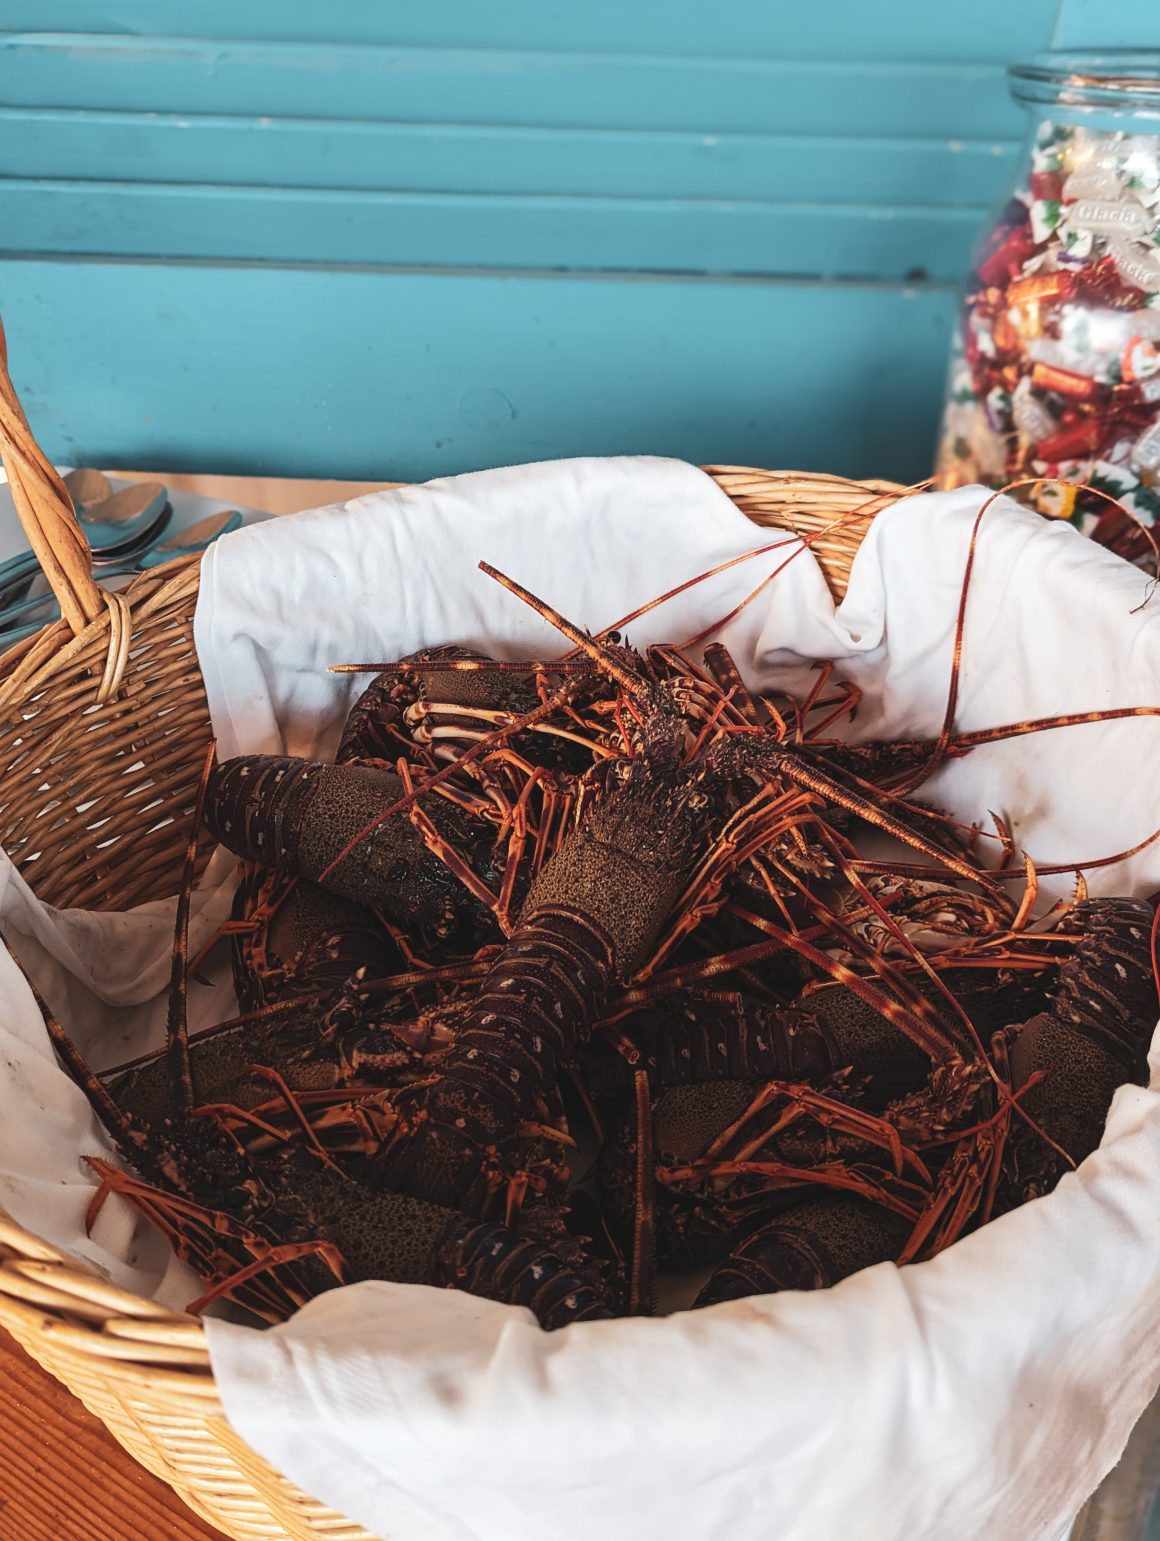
(94,806)
(94,797)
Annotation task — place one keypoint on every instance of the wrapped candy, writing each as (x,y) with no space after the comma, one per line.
(1055,370)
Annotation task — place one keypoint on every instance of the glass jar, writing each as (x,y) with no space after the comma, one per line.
(1055,371)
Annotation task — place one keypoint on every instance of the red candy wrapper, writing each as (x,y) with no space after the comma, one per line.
(1064,382)
(1070,443)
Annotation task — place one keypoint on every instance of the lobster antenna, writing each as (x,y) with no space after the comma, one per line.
(864,512)
(464,666)
(177,1022)
(600,654)
(1009,730)
(270,1012)
(118,1123)
(860,514)
(1059,868)
(942,744)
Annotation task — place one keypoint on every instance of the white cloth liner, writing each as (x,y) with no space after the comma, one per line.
(983,1393)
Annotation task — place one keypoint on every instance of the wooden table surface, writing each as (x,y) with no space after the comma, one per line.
(63,1477)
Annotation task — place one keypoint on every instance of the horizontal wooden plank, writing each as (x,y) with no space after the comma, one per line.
(449,230)
(445,85)
(41,143)
(896,29)
(379,375)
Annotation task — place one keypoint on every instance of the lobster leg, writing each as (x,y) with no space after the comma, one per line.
(773,1176)
(640,1298)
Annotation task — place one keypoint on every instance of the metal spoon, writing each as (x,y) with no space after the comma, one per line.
(186,543)
(87,487)
(117,526)
(120,512)
(195,537)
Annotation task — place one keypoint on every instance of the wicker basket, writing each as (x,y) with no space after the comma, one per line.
(105,727)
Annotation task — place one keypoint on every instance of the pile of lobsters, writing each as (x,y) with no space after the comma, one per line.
(566,974)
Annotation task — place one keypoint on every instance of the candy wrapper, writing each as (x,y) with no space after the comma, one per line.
(1055,370)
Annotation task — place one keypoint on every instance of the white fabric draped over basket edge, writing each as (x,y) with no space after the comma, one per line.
(983,1393)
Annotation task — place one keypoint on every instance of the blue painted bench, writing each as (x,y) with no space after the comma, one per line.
(393,240)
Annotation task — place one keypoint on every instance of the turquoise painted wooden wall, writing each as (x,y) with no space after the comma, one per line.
(385,238)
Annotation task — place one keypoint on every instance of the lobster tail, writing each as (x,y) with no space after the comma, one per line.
(1107,989)
(1071,1102)
(300,815)
(810,1247)
(893,1065)
(492,1261)
(1094,1039)
(534,1009)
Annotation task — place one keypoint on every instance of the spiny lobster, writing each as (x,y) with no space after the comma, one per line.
(1068,1062)
(613,854)
(593,910)
(775,832)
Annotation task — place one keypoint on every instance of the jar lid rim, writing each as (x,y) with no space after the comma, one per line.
(1114,77)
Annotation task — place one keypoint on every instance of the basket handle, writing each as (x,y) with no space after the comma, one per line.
(46,511)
